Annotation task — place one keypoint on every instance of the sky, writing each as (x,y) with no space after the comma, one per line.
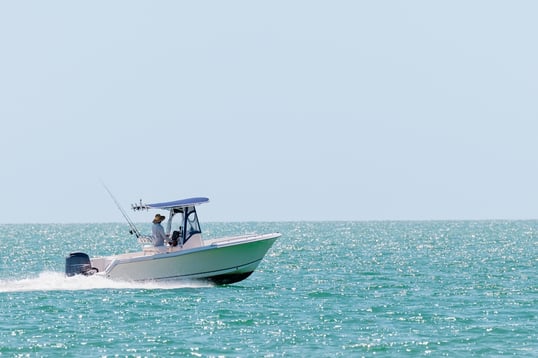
(275,110)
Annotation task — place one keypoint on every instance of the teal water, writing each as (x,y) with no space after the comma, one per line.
(325,289)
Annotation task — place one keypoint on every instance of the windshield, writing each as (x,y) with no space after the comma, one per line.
(188,224)
(192,224)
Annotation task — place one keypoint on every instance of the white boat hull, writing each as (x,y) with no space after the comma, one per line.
(222,261)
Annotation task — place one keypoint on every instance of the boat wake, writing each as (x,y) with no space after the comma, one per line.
(57,281)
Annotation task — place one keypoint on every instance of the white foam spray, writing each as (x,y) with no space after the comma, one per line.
(57,281)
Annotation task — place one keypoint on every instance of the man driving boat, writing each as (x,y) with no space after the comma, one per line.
(157,231)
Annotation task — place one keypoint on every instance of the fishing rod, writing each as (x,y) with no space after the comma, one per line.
(133,230)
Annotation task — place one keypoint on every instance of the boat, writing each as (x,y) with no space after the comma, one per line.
(186,256)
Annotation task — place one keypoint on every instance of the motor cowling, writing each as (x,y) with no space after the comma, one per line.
(78,263)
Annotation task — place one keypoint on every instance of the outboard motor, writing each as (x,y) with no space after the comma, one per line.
(78,263)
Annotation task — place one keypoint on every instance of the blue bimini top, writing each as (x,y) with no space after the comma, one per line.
(183,203)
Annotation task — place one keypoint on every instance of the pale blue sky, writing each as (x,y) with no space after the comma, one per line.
(280,110)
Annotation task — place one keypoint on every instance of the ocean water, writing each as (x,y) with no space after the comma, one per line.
(325,289)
